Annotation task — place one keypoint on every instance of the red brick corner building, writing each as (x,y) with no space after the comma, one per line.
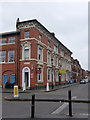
(34,55)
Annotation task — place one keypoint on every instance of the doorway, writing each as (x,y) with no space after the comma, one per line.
(26,76)
(26,79)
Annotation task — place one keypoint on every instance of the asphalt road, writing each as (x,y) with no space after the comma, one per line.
(19,109)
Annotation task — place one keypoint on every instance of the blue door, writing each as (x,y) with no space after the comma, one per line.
(13,78)
(4,79)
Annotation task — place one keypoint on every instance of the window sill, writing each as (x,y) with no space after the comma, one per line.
(40,81)
(7,62)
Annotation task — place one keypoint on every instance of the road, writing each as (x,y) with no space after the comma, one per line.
(19,109)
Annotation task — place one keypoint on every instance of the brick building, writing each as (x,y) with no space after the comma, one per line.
(34,55)
(76,70)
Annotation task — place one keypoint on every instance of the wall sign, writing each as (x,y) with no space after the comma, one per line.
(26,63)
(31,75)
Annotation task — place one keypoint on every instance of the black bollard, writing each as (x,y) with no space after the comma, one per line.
(70,103)
(33,106)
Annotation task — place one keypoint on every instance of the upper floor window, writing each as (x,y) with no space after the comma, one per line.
(3,40)
(56,61)
(48,43)
(26,53)
(49,58)
(2,56)
(26,34)
(56,75)
(40,54)
(11,40)
(62,52)
(49,74)
(11,56)
(55,48)
(40,37)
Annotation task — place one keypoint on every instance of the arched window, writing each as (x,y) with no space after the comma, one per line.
(26,50)
(26,53)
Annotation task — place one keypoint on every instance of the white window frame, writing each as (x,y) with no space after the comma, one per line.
(11,40)
(49,69)
(39,47)
(26,36)
(24,45)
(3,56)
(40,37)
(56,61)
(56,75)
(3,39)
(26,48)
(13,56)
(48,57)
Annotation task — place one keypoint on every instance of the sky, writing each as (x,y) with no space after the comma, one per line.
(68,20)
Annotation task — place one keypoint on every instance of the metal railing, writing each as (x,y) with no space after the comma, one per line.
(33,100)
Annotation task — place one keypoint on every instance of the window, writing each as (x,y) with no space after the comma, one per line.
(56,75)
(49,75)
(56,61)
(55,48)
(10,56)
(40,51)
(2,56)
(26,34)
(3,40)
(48,43)
(40,38)
(40,75)
(49,58)
(26,53)
(11,40)
(62,53)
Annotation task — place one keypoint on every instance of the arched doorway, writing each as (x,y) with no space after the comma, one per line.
(26,76)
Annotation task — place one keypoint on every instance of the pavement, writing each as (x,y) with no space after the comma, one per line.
(9,90)
(47,110)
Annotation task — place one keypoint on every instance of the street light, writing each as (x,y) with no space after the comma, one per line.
(52,73)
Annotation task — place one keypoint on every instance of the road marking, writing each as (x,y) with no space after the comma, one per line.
(62,107)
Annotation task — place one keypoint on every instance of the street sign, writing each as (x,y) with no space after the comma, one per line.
(62,71)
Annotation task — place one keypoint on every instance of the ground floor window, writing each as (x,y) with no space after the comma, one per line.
(48,75)
(57,76)
(40,74)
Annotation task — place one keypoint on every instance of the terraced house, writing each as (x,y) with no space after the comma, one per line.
(33,55)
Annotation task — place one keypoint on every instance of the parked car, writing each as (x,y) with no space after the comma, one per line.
(82,81)
(9,85)
(87,80)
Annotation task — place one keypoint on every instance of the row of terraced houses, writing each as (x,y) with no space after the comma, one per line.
(34,55)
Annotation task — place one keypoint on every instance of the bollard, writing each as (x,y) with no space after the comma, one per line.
(47,88)
(70,104)
(33,106)
(16,91)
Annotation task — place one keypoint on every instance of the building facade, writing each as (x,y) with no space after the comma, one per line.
(33,55)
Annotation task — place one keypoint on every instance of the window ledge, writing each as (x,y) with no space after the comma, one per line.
(7,62)
(40,81)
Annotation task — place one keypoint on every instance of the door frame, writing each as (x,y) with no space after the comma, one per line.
(25,69)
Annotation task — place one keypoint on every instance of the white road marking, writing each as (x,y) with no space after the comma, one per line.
(62,107)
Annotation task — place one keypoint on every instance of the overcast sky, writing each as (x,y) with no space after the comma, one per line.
(68,20)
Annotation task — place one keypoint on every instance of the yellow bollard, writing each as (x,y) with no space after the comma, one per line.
(16,91)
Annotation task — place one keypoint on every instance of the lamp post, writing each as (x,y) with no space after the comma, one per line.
(52,73)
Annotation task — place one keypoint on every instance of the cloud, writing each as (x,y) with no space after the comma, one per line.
(69,21)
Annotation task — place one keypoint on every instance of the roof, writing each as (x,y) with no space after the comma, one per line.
(35,20)
(9,33)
